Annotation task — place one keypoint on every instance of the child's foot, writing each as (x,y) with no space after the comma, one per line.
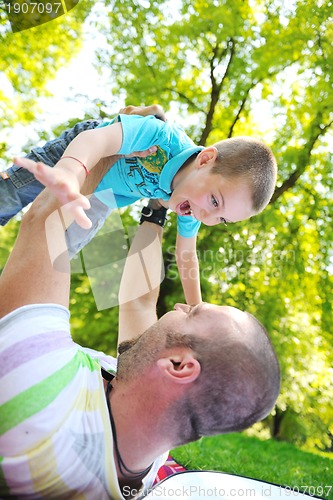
(63,184)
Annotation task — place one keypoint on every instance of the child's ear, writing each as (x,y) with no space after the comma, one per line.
(207,157)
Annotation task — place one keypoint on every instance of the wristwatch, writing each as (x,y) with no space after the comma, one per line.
(156,216)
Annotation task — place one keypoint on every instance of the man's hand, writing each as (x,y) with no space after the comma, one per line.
(140,154)
(154,109)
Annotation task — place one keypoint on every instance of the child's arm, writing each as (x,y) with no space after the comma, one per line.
(81,155)
(188,266)
(92,145)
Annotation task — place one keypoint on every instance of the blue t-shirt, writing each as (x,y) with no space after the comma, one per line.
(131,179)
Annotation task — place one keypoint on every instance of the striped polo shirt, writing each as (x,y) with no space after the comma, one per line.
(55,436)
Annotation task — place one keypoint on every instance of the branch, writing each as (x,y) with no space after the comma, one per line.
(253,84)
(304,158)
(186,99)
(232,53)
(216,88)
(143,49)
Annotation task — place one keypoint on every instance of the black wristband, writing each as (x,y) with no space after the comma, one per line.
(157,216)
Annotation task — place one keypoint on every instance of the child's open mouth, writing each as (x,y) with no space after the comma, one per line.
(184,208)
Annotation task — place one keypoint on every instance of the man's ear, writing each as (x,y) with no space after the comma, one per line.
(207,156)
(180,367)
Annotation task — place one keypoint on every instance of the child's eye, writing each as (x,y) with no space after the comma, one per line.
(223,221)
(215,203)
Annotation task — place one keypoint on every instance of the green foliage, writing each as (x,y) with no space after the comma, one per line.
(222,65)
(8,236)
(208,58)
(91,327)
(30,58)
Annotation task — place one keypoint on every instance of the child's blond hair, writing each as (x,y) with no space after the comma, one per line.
(251,160)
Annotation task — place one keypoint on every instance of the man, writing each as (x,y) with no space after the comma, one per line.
(68,431)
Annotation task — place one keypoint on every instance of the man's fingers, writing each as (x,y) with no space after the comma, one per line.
(143,154)
(130,110)
(153,109)
(147,152)
(159,112)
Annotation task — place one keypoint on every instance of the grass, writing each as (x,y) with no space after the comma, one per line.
(272,461)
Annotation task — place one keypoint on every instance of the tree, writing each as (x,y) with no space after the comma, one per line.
(30,58)
(226,68)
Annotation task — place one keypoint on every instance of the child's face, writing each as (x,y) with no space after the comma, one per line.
(210,198)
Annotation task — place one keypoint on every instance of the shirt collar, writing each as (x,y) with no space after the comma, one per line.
(108,375)
(173,165)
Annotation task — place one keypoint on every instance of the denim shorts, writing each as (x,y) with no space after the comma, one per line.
(18,187)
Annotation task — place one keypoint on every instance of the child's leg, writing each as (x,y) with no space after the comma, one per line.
(18,187)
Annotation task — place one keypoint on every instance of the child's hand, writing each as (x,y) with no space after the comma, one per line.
(64,185)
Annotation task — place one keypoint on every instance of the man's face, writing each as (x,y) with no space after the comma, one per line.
(202,319)
(210,198)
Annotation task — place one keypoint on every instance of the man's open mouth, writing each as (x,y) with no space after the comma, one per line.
(184,208)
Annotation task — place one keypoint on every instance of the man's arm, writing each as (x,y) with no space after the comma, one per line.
(143,270)
(188,266)
(139,288)
(30,276)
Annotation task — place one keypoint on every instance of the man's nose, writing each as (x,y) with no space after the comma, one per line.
(182,307)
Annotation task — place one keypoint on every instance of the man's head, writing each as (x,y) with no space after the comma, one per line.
(216,362)
(227,182)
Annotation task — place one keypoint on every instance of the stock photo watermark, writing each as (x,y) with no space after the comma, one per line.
(217,266)
(103,256)
(26,14)
(268,491)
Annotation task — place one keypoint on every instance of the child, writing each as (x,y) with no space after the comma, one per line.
(227,182)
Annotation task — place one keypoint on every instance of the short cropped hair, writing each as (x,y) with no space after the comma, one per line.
(238,385)
(253,161)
